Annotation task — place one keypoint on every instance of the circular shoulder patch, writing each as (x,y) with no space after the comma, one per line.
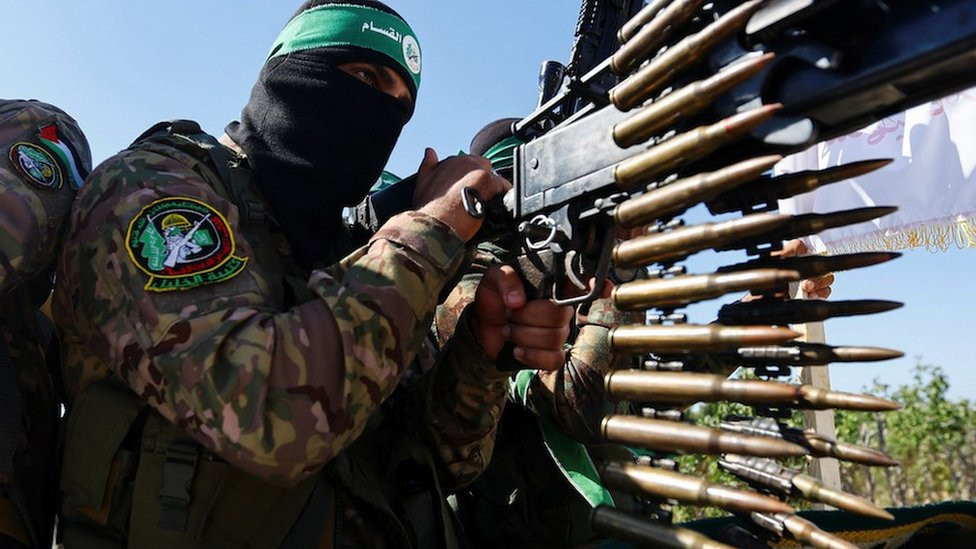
(37,165)
(182,243)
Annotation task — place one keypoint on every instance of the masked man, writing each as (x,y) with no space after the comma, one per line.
(542,483)
(44,159)
(251,389)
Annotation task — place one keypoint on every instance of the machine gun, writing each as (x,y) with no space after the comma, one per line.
(695,106)
(773,78)
(714,84)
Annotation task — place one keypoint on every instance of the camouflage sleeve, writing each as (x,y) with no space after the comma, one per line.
(572,397)
(277,392)
(43,158)
(464,398)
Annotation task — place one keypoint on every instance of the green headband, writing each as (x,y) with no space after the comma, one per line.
(351,25)
(502,154)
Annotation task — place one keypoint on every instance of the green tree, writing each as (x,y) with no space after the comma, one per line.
(932,436)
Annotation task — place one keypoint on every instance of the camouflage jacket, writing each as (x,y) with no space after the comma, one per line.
(44,159)
(524,498)
(159,287)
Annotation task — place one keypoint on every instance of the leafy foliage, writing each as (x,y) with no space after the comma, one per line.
(933,437)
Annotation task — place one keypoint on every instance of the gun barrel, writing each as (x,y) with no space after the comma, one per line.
(670,436)
(678,196)
(661,70)
(681,290)
(798,311)
(682,338)
(678,105)
(663,484)
(682,242)
(647,533)
(688,147)
(786,186)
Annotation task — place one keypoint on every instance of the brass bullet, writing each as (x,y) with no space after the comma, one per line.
(770,475)
(815,490)
(807,354)
(691,337)
(665,484)
(641,18)
(680,195)
(807,532)
(680,104)
(646,15)
(828,447)
(665,293)
(679,243)
(808,224)
(813,265)
(670,436)
(786,186)
(818,444)
(747,231)
(643,43)
(771,311)
(661,70)
(821,399)
(688,147)
(614,523)
(689,388)
(863,354)
(757,472)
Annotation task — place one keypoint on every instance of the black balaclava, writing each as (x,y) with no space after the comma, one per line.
(316,137)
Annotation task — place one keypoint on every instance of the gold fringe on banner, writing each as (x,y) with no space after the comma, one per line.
(938,236)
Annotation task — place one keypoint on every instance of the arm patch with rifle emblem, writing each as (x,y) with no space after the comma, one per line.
(182,243)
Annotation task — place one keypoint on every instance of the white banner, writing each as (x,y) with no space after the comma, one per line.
(932,180)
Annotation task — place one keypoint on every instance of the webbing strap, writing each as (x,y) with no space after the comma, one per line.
(11,433)
(234,177)
(175,495)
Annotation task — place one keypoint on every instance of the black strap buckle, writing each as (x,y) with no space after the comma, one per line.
(174,496)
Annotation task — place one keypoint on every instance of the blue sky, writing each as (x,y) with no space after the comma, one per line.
(120,66)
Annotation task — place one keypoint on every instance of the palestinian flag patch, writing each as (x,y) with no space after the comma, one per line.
(182,243)
(37,165)
(64,151)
